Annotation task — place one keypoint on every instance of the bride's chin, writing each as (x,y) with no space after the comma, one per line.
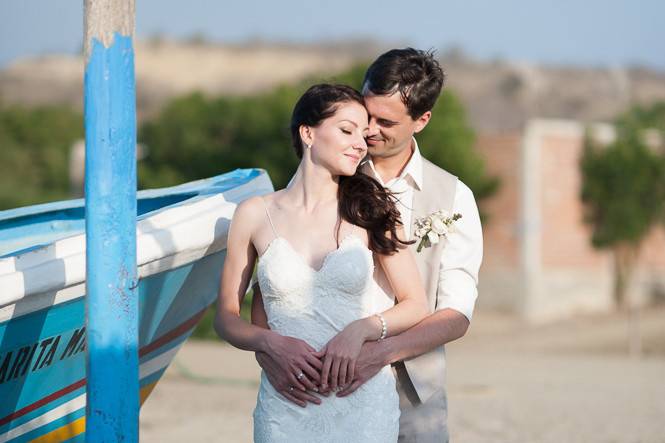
(345,171)
(349,172)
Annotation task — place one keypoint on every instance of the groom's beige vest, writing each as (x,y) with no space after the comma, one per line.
(427,372)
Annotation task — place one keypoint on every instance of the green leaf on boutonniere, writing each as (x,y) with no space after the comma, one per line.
(422,243)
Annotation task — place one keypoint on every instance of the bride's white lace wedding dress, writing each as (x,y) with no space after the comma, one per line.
(314,305)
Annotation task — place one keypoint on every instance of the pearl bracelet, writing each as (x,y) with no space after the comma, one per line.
(384,327)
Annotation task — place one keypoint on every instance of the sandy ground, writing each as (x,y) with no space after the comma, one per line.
(572,381)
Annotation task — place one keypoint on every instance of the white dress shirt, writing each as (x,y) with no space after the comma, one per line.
(463,252)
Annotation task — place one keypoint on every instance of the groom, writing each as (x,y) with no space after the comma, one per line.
(400,89)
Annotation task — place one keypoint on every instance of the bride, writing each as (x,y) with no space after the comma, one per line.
(316,243)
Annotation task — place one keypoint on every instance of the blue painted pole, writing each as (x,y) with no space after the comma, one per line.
(110,197)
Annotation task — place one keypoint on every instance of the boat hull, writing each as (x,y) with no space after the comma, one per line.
(42,335)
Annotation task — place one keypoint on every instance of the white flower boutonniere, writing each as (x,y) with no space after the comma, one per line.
(434,227)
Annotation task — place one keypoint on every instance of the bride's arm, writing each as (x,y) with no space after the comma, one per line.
(258,313)
(238,267)
(404,277)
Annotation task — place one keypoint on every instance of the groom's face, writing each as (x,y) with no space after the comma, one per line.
(390,126)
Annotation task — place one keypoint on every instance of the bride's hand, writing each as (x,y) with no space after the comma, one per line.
(341,353)
(298,360)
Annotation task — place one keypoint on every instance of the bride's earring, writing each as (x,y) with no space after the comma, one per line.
(309,146)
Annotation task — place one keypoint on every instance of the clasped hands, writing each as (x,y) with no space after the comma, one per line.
(299,372)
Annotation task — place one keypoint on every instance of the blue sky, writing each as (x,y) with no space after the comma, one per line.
(588,32)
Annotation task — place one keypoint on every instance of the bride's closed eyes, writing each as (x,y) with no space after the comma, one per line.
(349,130)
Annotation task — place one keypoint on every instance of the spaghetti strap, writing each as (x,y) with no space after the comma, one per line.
(265,205)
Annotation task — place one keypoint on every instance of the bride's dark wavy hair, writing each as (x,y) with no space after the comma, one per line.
(363,201)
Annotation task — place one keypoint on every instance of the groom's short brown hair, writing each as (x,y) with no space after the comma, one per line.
(414,73)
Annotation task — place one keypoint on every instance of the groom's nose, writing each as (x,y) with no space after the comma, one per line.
(373,128)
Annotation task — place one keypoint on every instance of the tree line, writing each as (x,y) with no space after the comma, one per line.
(197,136)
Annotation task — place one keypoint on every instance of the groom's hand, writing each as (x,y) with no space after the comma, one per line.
(280,381)
(372,358)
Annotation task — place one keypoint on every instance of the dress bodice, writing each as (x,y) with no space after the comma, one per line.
(312,304)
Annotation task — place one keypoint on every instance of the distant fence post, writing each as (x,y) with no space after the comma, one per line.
(110,198)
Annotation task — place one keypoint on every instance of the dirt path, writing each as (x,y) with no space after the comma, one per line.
(507,382)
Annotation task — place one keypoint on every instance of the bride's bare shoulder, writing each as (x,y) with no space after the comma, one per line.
(254,207)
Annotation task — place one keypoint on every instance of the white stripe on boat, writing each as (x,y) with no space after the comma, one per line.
(157,363)
(52,415)
(40,301)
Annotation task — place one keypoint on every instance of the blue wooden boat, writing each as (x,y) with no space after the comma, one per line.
(181,241)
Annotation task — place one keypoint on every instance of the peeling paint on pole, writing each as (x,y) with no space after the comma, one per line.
(105,18)
(110,193)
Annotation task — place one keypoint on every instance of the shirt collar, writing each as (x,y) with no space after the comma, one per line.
(413,169)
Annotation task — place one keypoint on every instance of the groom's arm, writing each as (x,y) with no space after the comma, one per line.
(437,329)
(456,296)
(457,290)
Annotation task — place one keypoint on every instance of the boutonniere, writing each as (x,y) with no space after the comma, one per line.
(432,228)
